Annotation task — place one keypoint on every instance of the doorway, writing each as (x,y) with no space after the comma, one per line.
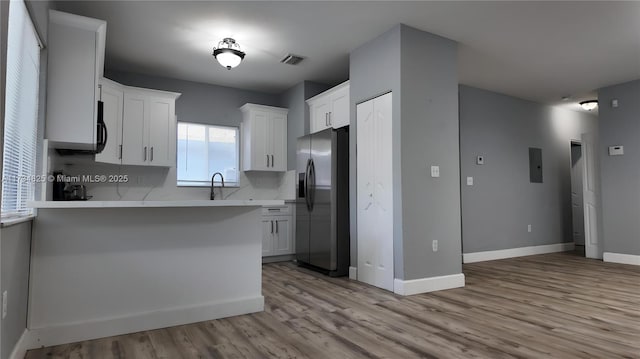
(577,198)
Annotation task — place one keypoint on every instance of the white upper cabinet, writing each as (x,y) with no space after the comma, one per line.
(148,127)
(112,96)
(330,109)
(264,138)
(141,125)
(75,64)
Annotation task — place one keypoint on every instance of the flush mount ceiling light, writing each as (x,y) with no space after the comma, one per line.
(589,105)
(228,53)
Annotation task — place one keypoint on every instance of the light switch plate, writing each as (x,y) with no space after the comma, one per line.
(616,150)
(469,181)
(435,171)
(480,160)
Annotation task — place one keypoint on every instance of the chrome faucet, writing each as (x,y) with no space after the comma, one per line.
(213,195)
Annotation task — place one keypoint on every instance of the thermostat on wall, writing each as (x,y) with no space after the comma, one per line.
(616,150)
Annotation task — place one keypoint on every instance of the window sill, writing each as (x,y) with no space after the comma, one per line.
(8,222)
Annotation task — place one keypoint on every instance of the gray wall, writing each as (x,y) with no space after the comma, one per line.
(200,103)
(419,68)
(429,124)
(620,175)
(293,99)
(298,117)
(374,69)
(502,202)
(16,251)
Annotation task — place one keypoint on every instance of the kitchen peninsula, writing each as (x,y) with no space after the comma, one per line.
(103,268)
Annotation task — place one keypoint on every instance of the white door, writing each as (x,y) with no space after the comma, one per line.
(282,243)
(591,186)
(375,192)
(320,115)
(260,140)
(577,200)
(339,115)
(268,228)
(161,138)
(278,143)
(113,100)
(134,134)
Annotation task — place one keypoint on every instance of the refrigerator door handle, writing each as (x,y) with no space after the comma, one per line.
(312,186)
(306,185)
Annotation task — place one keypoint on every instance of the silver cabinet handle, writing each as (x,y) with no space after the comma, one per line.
(267,160)
(272,161)
(151,157)
(120,152)
(271,226)
(276,226)
(145,154)
(329,118)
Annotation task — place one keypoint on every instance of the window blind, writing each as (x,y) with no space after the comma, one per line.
(21,113)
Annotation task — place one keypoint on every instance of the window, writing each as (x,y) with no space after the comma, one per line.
(204,150)
(21,113)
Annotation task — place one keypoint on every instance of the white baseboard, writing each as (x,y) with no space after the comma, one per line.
(353,273)
(516,252)
(74,332)
(621,258)
(20,350)
(425,285)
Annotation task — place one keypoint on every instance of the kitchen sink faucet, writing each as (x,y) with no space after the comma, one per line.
(213,195)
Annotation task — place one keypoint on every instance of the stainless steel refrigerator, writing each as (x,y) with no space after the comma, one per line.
(322,206)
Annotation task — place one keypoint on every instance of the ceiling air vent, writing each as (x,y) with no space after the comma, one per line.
(292,59)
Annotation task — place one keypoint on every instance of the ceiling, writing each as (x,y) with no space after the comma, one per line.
(539,51)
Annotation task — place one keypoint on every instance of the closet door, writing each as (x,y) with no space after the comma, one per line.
(375,192)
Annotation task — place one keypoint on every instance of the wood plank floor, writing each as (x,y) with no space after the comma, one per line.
(547,306)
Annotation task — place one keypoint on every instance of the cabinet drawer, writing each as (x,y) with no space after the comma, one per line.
(276,210)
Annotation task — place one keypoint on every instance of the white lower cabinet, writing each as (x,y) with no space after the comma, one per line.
(277,231)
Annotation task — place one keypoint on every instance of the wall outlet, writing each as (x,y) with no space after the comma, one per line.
(434,245)
(469,181)
(529,228)
(4,304)
(435,171)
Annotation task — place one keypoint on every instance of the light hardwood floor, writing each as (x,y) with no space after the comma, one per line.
(547,306)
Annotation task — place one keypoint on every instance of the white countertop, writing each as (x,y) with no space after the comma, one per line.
(153,204)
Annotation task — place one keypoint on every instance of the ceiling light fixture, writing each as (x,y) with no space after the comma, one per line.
(589,105)
(228,53)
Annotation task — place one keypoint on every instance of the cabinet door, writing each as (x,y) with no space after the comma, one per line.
(72,83)
(278,141)
(113,99)
(283,242)
(268,229)
(260,140)
(161,128)
(339,114)
(320,115)
(135,141)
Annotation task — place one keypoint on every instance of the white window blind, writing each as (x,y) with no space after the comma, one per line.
(204,150)
(21,112)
